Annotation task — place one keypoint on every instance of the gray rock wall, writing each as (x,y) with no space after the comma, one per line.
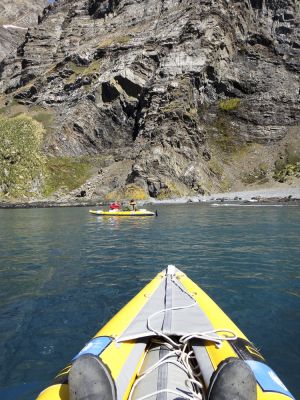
(146,79)
(17,13)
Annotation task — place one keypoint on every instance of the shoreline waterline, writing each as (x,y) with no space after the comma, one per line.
(245,195)
(262,195)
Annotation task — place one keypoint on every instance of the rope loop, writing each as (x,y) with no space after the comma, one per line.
(182,350)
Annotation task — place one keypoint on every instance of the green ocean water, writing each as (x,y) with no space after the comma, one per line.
(64,273)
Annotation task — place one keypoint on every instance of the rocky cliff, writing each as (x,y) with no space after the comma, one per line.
(169,96)
(15,17)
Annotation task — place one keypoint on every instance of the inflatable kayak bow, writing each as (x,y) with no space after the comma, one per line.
(118,213)
(171,341)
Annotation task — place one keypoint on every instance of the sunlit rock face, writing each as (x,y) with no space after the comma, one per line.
(16,16)
(145,81)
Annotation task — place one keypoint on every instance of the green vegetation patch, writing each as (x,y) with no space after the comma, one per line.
(170,190)
(107,42)
(40,114)
(77,69)
(21,159)
(226,138)
(229,104)
(65,173)
(216,168)
(24,170)
(82,70)
(45,118)
(289,164)
(258,175)
(288,170)
(292,151)
(128,192)
(225,184)
(92,68)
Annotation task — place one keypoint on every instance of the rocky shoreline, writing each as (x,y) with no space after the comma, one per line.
(47,204)
(286,196)
(273,195)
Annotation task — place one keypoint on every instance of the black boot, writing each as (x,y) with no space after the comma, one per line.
(233,380)
(90,379)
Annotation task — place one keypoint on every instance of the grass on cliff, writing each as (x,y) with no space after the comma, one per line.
(227,139)
(82,70)
(130,191)
(289,163)
(223,134)
(40,114)
(257,175)
(171,190)
(25,171)
(21,159)
(289,170)
(108,41)
(229,104)
(66,173)
(46,118)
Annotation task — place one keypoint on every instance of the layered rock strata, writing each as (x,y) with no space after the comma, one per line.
(180,88)
(16,16)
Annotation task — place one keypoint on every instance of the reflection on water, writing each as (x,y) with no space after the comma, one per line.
(65,272)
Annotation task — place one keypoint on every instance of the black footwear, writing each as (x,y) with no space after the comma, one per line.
(90,379)
(233,380)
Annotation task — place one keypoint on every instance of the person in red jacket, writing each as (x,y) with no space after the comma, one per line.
(114,206)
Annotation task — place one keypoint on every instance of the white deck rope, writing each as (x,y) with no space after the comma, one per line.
(184,364)
(179,349)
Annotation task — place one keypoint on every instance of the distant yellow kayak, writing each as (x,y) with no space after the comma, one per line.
(118,213)
(170,342)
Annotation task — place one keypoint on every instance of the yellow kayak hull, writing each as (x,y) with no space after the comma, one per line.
(137,213)
(115,354)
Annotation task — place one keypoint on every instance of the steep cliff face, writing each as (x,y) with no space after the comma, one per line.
(176,95)
(15,17)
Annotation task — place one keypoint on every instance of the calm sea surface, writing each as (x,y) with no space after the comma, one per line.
(64,273)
